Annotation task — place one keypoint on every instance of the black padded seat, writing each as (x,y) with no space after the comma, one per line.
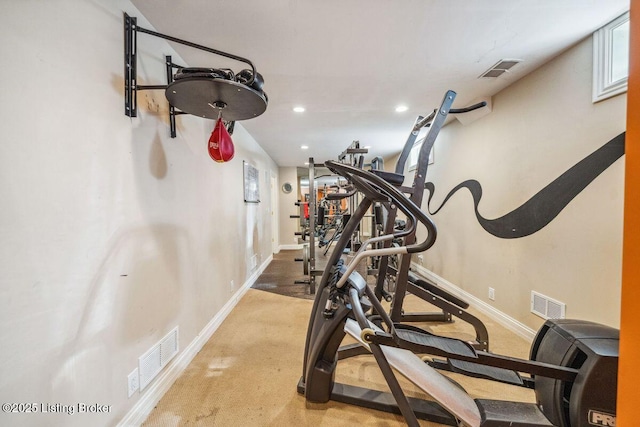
(391,177)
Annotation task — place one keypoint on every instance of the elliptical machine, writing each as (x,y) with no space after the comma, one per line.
(405,282)
(572,365)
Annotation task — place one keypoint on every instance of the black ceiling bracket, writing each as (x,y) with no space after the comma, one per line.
(209,95)
(172,110)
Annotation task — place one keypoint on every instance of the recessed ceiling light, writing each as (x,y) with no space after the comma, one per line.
(401,108)
(298,109)
(304,147)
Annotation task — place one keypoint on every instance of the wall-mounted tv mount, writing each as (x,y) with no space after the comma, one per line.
(204,92)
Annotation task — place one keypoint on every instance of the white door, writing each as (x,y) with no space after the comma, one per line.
(275,244)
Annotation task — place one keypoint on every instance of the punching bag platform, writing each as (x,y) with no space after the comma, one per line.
(205,97)
(212,93)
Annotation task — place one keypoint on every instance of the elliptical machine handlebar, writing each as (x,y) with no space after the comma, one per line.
(369,181)
(467,109)
(339,196)
(371,191)
(427,120)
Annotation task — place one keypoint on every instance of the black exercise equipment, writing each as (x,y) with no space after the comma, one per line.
(303,216)
(305,260)
(214,73)
(309,249)
(331,217)
(246,77)
(353,155)
(449,304)
(205,92)
(572,366)
(214,94)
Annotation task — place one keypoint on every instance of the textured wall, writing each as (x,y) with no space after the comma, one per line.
(113,233)
(540,127)
(288,226)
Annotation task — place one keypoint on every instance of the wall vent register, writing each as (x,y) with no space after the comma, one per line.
(157,357)
(500,68)
(547,308)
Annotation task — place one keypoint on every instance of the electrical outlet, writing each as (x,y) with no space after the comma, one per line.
(231,286)
(492,294)
(420,259)
(133,382)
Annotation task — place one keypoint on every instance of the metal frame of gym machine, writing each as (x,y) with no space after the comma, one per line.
(352,155)
(572,363)
(233,101)
(449,304)
(309,249)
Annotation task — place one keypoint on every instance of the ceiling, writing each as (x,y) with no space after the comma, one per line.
(350,63)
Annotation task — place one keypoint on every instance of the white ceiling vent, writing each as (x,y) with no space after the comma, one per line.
(500,68)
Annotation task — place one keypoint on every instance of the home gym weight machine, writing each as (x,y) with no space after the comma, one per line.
(354,155)
(572,366)
(331,215)
(309,249)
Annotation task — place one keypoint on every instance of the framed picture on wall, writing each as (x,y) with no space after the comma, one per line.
(251,183)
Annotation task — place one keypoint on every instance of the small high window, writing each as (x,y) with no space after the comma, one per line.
(611,58)
(414,154)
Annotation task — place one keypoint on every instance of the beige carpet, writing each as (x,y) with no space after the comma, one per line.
(246,375)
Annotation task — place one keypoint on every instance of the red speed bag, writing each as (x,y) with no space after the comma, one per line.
(220,143)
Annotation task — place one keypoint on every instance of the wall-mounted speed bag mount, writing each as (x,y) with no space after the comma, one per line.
(204,92)
(213,93)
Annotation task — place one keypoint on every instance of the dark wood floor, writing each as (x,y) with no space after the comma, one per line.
(280,276)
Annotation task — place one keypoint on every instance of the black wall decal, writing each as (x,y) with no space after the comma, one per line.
(543,207)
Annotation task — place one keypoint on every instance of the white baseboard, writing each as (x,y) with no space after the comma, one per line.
(152,395)
(290,247)
(507,321)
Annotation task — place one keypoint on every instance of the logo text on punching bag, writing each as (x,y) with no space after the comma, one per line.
(597,418)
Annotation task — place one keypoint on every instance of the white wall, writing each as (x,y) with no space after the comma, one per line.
(113,233)
(540,127)
(287,207)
